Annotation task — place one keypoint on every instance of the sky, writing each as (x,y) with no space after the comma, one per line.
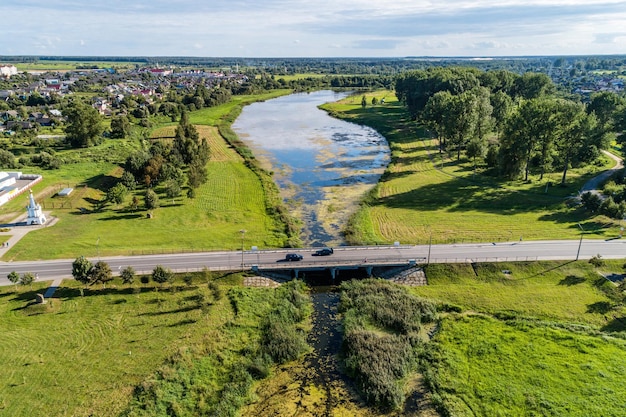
(312,28)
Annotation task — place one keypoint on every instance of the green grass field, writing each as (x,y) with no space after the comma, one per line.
(557,349)
(485,367)
(232,199)
(81,356)
(423,194)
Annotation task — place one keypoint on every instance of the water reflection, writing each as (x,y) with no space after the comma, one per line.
(322,165)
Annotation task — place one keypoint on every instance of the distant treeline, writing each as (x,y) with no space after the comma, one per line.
(359,65)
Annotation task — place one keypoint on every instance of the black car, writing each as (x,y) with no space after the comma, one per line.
(293,257)
(323,252)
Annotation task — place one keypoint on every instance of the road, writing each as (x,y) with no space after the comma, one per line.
(478,252)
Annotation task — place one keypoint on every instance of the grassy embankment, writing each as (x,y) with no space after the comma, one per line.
(234,198)
(189,348)
(424,193)
(545,339)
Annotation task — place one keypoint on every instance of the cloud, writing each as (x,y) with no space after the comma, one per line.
(385,44)
(607,38)
(305,28)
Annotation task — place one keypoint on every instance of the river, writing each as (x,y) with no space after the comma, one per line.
(322,165)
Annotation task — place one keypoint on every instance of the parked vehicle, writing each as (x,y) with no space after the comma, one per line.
(323,252)
(293,257)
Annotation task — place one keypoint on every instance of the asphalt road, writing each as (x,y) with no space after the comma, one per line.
(479,252)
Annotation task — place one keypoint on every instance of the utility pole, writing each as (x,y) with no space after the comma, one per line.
(243,235)
(580,243)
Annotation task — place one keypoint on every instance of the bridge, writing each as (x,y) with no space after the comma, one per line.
(334,266)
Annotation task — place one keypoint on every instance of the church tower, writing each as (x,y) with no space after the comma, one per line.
(35,215)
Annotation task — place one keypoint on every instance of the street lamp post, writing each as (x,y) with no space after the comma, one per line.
(243,234)
(580,243)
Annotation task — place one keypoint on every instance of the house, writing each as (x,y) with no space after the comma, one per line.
(12,124)
(5,94)
(8,115)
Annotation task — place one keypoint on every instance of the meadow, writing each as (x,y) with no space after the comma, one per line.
(129,350)
(81,356)
(426,195)
(541,338)
(233,198)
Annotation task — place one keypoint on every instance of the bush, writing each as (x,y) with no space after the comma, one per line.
(379,359)
(597,261)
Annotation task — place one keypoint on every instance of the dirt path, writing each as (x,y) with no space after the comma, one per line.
(593,184)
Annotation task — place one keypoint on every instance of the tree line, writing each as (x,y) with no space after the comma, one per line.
(516,125)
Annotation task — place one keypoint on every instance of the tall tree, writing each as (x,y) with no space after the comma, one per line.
(434,115)
(605,105)
(574,129)
(120,127)
(84,125)
(502,108)
(461,119)
(533,85)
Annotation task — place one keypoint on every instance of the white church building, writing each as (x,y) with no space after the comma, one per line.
(35,214)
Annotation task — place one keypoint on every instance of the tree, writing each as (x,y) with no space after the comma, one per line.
(129,181)
(172,189)
(434,115)
(196,174)
(531,129)
(7,160)
(363,101)
(461,119)
(604,105)
(151,200)
(117,193)
(27,278)
(81,269)
(14,277)
(134,203)
(101,272)
(120,127)
(574,127)
(533,85)
(161,275)
(128,275)
(502,108)
(84,125)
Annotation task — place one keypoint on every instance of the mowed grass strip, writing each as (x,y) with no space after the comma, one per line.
(424,193)
(484,367)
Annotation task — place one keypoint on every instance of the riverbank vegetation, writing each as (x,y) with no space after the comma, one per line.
(381,334)
(427,196)
(191,347)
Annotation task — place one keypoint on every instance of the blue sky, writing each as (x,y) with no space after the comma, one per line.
(312,28)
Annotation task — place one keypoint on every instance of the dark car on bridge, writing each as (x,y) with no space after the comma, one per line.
(293,257)
(323,252)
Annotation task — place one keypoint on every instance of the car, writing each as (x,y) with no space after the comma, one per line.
(293,257)
(323,252)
